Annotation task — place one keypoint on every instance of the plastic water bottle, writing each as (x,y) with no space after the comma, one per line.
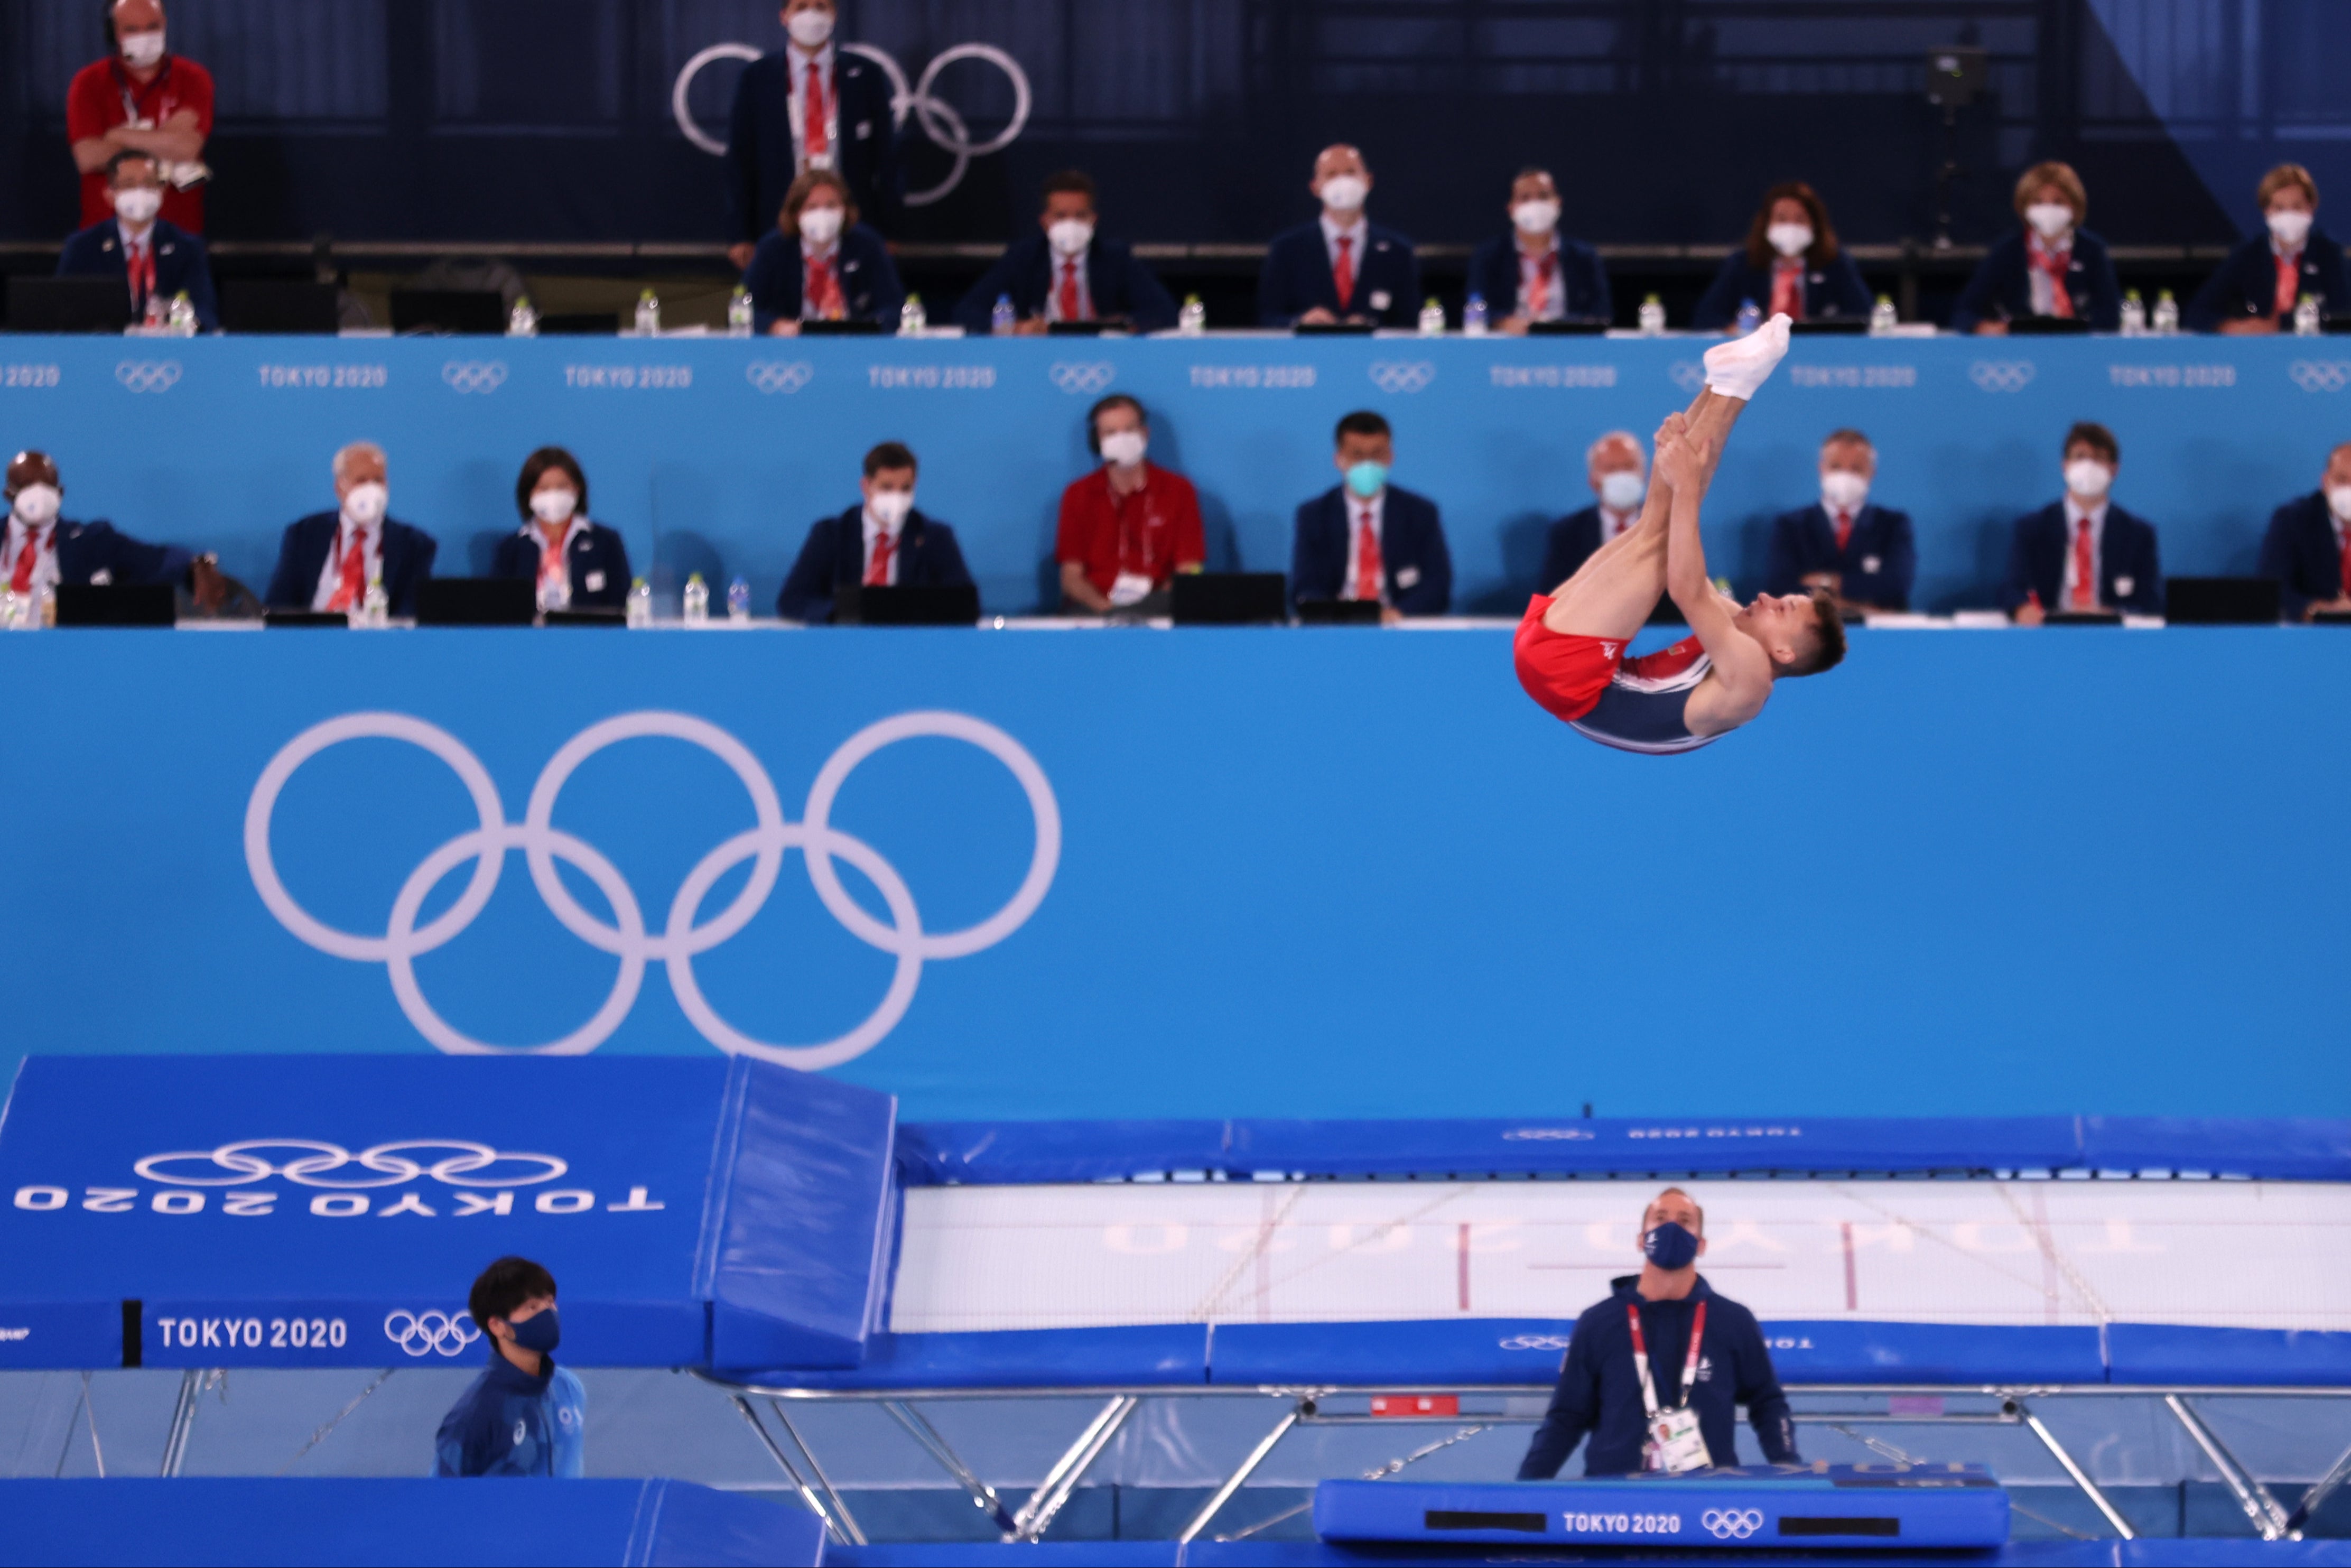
(1192,320)
(1432,319)
(738,314)
(648,315)
(2305,316)
(1750,316)
(45,613)
(2133,314)
(1884,318)
(697,601)
(1653,317)
(183,318)
(375,608)
(158,318)
(2166,315)
(12,607)
(738,600)
(640,603)
(522,321)
(1473,316)
(913,320)
(1003,318)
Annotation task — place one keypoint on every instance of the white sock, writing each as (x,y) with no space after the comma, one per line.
(1737,368)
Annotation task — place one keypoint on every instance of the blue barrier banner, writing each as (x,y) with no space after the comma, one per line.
(714,455)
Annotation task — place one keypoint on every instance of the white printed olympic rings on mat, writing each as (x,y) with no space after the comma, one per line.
(388,1165)
(423,1333)
(1731,1524)
(685,935)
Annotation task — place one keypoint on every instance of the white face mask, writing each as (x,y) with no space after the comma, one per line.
(2338,501)
(142,49)
(2050,220)
(1345,193)
(1621,490)
(1536,217)
(37,504)
(1789,239)
(890,506)
(2088,478)
(1069,237)
(1124,447)
(810,28)
(366,502)
(2289,228)
(1843,490)
(554,505)
(138,206)
(821,225)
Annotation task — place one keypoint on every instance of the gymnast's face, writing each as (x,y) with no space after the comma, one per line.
(1782,623)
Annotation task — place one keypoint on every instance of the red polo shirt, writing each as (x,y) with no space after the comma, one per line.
(103,96)
(1148,532)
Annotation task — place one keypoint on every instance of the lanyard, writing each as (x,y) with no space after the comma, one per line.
(1641,1357)
(123,86)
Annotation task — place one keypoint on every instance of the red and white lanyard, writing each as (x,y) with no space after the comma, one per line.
(1641,1357)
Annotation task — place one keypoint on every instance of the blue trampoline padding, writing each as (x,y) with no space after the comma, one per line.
(1837,1352)
(353,1521)
(2158,1352)
(1469,1351)
(1258,1554)
(1157,1354)
(1765,1507)
(2279,1149)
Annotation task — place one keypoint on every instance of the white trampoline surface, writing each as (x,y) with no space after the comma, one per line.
(2272,1255)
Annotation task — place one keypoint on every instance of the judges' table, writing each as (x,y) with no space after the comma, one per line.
(713,456)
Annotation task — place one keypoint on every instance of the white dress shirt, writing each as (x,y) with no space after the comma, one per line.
(2074,513)
(330,576)
(874,530)
(1356,508)
(45,555)
(822,59)
(1357,238)
(1053,287)
(1614,522)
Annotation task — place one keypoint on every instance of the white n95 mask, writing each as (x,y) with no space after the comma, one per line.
(2289,228)
(142,49)
(554,505)
(37,504)
(366,503)
(890,506)
(1345,193)
(2050,220)
(810,29)
(1536,217)
(1124,447)
(138,206)
(1069,237)
(1789,240)
(2338,501)
(1621,490)
(821,225)
(1844,491)
(2087,477)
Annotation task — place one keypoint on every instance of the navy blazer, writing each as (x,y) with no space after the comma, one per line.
(1418,567)
(2132,575)
(1297,278)
(834,557)
(2002,290)
(2299,551)
(93,552)
(1832,293)
(180,264)
(870,289)
(600,564)
(2246,285)
(1879,560)
(1494,274)
(1120,285)
(761,162)
(302,553)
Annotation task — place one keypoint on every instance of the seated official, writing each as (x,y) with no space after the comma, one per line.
(1534,273)
(880,542)
(2305,551)
(1127,527)
(2266,277)
(2049,266)
(1066,272)
(1341,267)
(43,550)
(1861,553)
(1615,467)
(326,560)
(578,564)
(1367,539)
(2084,553)
(154,260)
(819,263)
(525,1416)
(1706,1357)
(1792,266)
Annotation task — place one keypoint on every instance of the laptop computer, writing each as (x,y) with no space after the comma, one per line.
(273,618)
(1571,327)
(1333,328)
(1228,599)
(1338,612)
(481,312)
(476,601)
(598,616)
(2083,618)
(857,605)
(2048,327)
(278,304)
(840,328)
(113,604)
(1836,326)
(67,305)
(580,324)
(2221,601)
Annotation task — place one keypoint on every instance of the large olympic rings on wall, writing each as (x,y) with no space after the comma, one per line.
(685,936)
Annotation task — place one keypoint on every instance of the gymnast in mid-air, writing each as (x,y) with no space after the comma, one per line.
(1570,648)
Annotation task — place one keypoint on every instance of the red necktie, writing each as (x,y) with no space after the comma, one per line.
(816,133)
(1788,292)
(2085,569)
(22,580)
(1367,557)
(1538,291)
(2289,283)
(877,572)
(1342,271)
(1843,530)
(354,580)
(139,261)
(823,291)
(2053,262)
(1069,307)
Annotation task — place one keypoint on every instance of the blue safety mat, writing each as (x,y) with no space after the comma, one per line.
(333,1211)
(2160,1352)
(1173,1354)
(343,1521)
(2161,1553)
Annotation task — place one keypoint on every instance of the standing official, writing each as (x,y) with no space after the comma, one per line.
(2085,553)
(1341,267)
(1863,553)
(523,1416)
(1534,273)
(141,98)
(810,105)
(2307,551)
(1066,271)
(326,560)
(1365,538)
(1613,466)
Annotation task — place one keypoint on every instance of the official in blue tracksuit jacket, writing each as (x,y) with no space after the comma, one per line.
(324,560)
(2304,551)
(1864,553)
(2258,287)
(820,263)
(1791,262)
(1599,1387)
(578,564)
(2045,554)
(772,139)
(1364,537)
(2050,265)
(1534,273)
(148,256)
(1066,271)
(1304,267)
(523,1416)
(882,539)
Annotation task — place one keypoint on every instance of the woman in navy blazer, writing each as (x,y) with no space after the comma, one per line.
(2258,287)
(1578,283)
(2052,202)
(551,494)
(1791,258)
(851,264)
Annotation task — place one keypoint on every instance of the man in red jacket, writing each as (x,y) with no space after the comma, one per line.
(142,99)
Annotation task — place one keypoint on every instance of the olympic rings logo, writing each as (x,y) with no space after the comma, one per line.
(147,375)
(1732,1524)
(1533,1341)
(468,376)
(773,376)
(685,934)
(1393,376)
(2320,375)
(423,1333)
(1083,380)
(1688,374)
(390,1166)
(941,122)
(2001,375)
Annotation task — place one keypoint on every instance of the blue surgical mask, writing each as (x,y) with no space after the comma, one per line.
(540,1331)
(1670,1246)
(1367,479)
